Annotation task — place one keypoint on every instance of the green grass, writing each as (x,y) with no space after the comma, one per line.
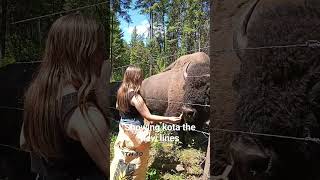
(112,141)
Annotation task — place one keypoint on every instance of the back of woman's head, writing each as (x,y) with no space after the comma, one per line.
(132,79)
(75,43)
(73,55)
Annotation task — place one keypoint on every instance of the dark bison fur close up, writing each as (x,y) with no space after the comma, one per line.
(14,79)
(279,92)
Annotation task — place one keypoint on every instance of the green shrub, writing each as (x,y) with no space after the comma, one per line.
(153,174)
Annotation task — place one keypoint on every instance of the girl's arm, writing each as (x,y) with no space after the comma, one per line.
(140,105)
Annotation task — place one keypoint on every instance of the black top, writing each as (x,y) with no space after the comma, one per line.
(132,111)
(75,162)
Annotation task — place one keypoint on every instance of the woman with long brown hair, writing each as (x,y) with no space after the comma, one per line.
(131,148)
(65,129)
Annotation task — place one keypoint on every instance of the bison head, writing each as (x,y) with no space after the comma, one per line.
(196,98)
(278,91)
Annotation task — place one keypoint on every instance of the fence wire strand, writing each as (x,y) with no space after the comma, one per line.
(13,148)
(306,44)
(310,139)
(58,13)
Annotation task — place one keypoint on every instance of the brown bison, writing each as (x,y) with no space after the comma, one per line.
(183,84)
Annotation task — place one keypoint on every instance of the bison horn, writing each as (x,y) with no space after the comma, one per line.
(240,35)
(185,69)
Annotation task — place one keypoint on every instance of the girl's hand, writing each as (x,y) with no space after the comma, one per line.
(175,120)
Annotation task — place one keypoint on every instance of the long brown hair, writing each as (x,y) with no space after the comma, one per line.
(132,79)
(73,55)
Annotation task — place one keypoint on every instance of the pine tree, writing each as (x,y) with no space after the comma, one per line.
(119,51)
(138,53)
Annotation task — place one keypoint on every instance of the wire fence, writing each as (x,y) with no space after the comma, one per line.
(59,13)
(150,99)
(307,139)
(306,44)
(177,102)
(38,18)
(206,134)
(124,66)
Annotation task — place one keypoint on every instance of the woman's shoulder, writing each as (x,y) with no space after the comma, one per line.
(80,123)
(131,94)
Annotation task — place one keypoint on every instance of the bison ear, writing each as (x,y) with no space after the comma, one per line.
(240,40)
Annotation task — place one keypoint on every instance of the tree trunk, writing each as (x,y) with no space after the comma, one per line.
(107,28)
(150,66)
(3,29)
(108,34)
(39,34)
(223,68)
(151,25)
(111,41)
(199,39)
(164,31)
(53,6)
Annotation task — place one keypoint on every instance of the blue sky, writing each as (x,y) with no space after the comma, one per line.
(138,20)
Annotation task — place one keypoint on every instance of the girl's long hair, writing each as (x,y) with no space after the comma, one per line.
(74,54)
(132,79)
